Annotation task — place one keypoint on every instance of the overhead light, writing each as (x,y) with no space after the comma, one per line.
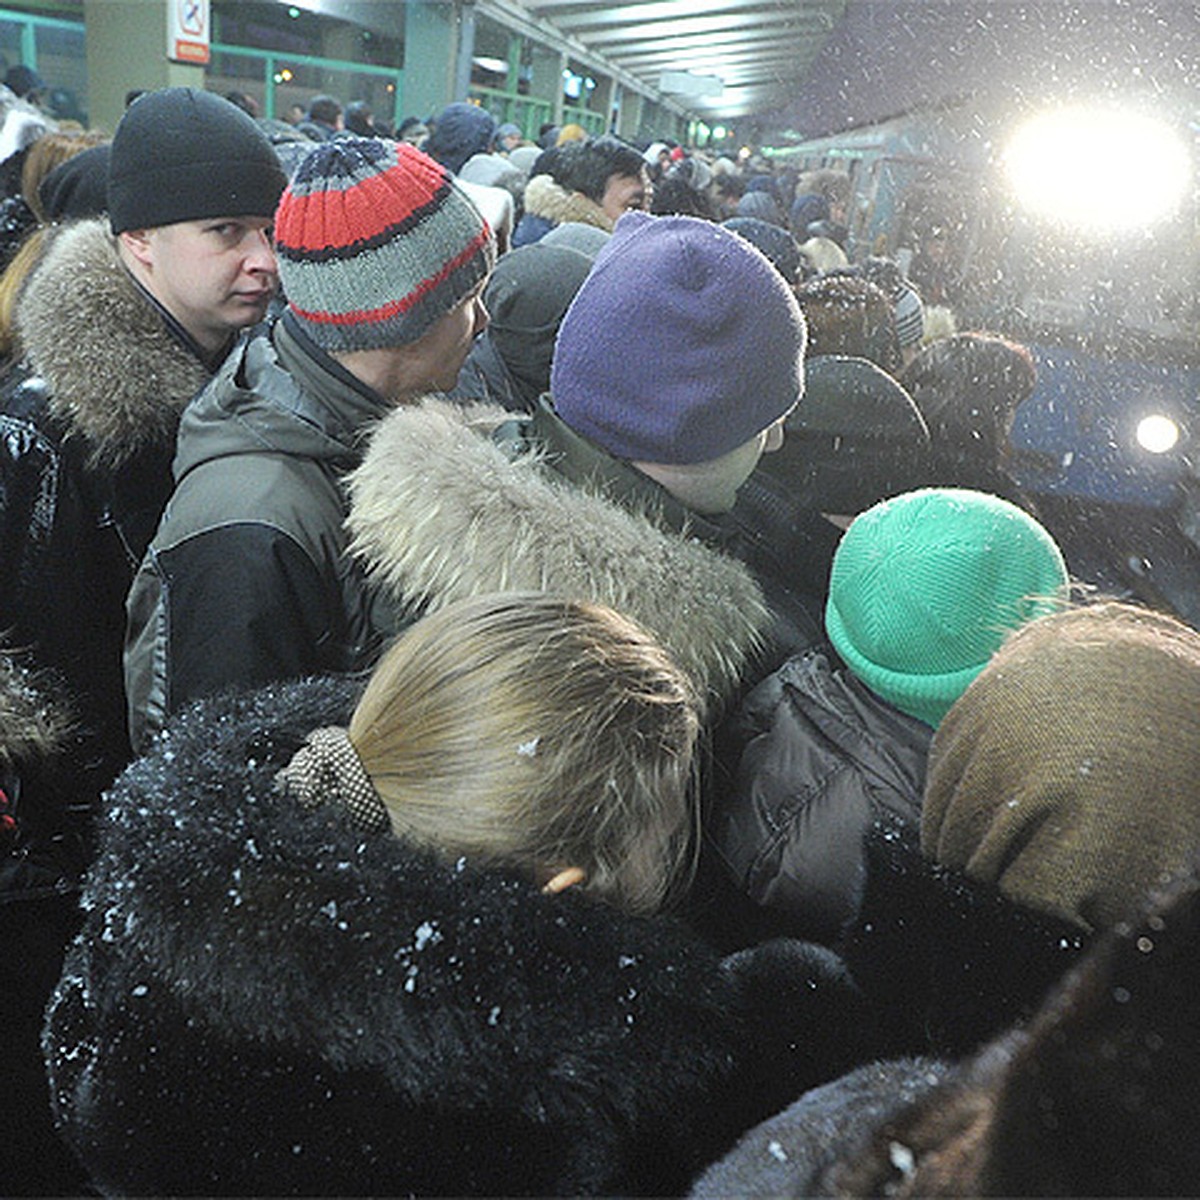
(1157,433)
(1062,166)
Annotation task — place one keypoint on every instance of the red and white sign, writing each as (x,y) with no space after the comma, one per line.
(187,31)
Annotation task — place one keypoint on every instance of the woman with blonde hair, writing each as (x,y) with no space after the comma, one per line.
(414,948)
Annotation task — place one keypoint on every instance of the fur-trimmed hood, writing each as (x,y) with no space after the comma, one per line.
(32,727)
(266,1000)
(116,376)
(546,198)
(439,513)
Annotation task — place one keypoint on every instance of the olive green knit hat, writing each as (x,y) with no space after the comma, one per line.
(924,587)
(1066,775)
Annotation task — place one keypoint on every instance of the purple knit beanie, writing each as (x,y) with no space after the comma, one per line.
(682,344)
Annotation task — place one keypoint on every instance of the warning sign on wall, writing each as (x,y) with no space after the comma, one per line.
(187,31)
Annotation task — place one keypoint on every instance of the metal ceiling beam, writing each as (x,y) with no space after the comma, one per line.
(515,16)
(666,10)
(643,61)
(729,23)
(717,43)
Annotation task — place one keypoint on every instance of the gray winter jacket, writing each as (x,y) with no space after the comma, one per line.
(246,582)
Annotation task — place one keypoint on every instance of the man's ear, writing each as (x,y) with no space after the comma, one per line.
(137,243)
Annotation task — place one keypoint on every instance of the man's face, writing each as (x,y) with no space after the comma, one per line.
(623,192)
(435,359)
(214,276)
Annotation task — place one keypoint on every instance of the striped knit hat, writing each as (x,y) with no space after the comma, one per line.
(375,243)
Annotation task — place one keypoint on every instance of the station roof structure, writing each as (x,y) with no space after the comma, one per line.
(721,59)
(811,67)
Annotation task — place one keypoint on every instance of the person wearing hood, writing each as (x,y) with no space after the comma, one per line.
(246,580)
(414,940)
(591,182)
(673,369)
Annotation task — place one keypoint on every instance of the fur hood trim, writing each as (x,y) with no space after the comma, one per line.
(31,727)
(116,376)
(545,198)
(440,513)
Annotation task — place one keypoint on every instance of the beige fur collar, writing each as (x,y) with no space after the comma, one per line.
(545,198)
(440,513)
(115,375)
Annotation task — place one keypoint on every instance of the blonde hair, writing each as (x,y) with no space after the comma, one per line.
(571,133)
(537,733)
(12,282)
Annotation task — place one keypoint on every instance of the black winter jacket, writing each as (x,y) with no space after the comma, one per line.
(264,1000)
(821,759)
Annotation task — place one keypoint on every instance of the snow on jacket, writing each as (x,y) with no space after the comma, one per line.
(265,1000)
(246,581)
(441,511)
(823,759)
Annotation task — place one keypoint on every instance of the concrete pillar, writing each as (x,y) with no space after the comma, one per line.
(602,99)
(430,57)
(547,80)
(126,44)
(465,49)
(629,125)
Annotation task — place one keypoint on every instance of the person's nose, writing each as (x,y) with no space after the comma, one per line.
(260,255)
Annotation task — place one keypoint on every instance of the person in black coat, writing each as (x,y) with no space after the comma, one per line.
(423,953)
(922,590)
(1061,802)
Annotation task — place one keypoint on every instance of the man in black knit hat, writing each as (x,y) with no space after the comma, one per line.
(124,318)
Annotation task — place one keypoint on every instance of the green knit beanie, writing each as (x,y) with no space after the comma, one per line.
(924,588)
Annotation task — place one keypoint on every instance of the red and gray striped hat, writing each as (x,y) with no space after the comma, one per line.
(375,242)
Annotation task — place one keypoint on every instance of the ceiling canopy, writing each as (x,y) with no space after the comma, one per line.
(721,59)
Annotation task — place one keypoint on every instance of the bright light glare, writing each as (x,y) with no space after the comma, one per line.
(1102,169)
(1158,434)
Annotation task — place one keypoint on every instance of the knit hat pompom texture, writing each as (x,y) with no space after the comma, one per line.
(375,243)
(924,588)
(682,344)
(180,154)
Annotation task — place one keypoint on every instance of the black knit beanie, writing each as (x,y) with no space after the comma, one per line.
(77,187)
(180,154)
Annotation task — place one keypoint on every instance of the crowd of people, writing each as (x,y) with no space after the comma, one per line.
(527,671)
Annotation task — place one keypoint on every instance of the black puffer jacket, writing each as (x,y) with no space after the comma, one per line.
(264,1000)
(822,759)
